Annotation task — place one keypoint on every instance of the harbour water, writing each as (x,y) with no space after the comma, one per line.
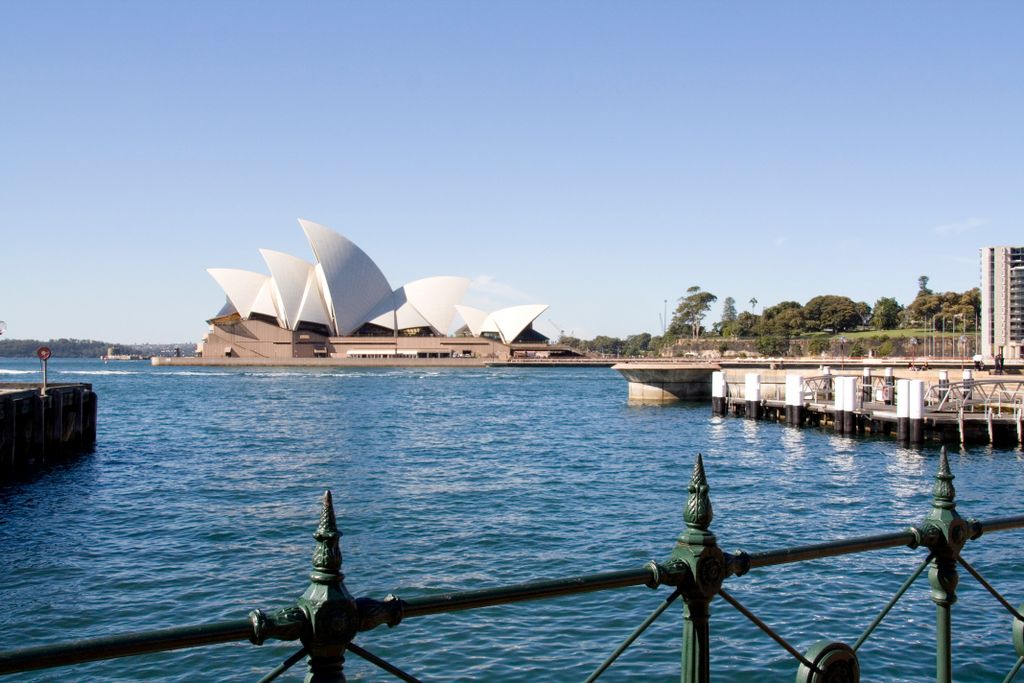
(199,502)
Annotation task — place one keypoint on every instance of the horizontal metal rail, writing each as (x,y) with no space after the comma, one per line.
(112,647)
(533,590)
(833,548)
(1003,523)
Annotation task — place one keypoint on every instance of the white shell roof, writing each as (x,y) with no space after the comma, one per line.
(396,309)
(513,320)
(295,289)
(248,292)
(473,317)
(313,308)
(264,302)
(429,302)
(435,299)
(352,282)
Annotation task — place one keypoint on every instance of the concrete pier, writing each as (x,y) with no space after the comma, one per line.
(661,382)
(37,430)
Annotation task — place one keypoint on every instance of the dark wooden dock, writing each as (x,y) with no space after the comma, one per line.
(879,418)
(38,430)
(974,411)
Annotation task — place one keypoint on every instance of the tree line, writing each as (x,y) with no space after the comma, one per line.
(775,325)
(85,348)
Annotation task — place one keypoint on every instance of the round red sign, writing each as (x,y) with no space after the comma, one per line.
(43,352)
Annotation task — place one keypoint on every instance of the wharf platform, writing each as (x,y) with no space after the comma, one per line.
(38,430)
(946,403)
(879,418)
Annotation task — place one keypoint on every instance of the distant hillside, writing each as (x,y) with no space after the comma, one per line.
(87,348)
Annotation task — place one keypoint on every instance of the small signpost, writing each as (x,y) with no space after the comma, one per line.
(43,352)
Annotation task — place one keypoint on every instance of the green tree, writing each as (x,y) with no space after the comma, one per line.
(744,326)
(572,342)
(926,308)
(818,346)
(772,345)
(691,311)
(637,344)
(611,346)
(922,285)
(886,315)
(728,310)
(835,313)
(784,319)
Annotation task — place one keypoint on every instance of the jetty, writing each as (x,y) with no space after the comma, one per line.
(947,403)
(39,427)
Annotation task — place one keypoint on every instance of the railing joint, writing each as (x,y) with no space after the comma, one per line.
(289,623)
(918,539)
(373,613)
(737,564)
(976,529)
(674,572)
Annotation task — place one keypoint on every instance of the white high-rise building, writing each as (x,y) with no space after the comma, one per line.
(1002,301)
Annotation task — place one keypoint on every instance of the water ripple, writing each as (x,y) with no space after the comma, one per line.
(200,499)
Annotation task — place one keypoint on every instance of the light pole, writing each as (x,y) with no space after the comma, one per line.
(963,322)
(934,330)
(963,349)
(913,351)
(842,353)
(977,334)
(944,336)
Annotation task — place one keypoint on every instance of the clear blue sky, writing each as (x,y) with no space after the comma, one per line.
(600,157)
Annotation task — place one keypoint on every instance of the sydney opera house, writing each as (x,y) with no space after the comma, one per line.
(342,306)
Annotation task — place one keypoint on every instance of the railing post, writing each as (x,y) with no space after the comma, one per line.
(332,614)
(945,533)
(702,566)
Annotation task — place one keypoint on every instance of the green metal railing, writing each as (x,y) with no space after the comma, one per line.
(326,619)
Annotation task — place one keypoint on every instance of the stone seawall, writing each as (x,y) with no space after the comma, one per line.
(321,362)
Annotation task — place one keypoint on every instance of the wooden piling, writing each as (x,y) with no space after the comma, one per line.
(37,429)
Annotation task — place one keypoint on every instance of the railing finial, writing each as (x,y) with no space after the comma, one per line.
(698,513)
(327,554)
(332,613)
(944,493)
